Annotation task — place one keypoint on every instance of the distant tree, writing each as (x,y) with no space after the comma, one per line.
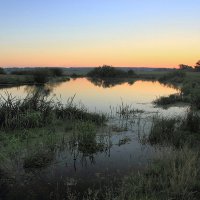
(197,67)
(185,67)
(107,71)
(2,71)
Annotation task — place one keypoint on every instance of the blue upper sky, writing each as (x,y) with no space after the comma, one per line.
(92,32)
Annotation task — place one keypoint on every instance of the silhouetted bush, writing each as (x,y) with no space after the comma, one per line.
(197,68)
(110,72)
(185,67)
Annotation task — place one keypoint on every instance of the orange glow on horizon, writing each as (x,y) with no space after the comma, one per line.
(149,53)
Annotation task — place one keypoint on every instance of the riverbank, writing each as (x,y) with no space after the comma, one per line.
(9,80)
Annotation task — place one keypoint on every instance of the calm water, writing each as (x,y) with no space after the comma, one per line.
(75,168)
(98,96)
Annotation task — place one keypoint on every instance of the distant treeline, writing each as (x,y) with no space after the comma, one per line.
(110,72)
(47,71)
(40,75)
(190,68)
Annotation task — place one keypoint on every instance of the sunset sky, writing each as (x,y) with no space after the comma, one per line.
(75,33)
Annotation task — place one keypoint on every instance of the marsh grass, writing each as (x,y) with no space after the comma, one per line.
(174,131)
(175,175)
(34,129)
(171,99)
(85,140)
(36,110)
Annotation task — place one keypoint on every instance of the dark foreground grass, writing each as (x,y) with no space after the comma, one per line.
(175,175)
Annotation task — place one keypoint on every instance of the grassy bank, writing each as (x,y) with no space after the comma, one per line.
(32,76)
(189,85)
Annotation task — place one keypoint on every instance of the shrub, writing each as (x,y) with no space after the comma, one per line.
(110,72)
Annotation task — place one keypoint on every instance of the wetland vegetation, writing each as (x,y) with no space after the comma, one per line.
(54,149)
(31,76)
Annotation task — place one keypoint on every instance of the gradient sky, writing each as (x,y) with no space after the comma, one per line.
(151,33)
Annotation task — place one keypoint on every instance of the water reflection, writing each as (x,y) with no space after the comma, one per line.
(140,94)
(108,83)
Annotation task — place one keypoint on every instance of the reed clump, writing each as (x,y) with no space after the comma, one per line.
(36,110)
